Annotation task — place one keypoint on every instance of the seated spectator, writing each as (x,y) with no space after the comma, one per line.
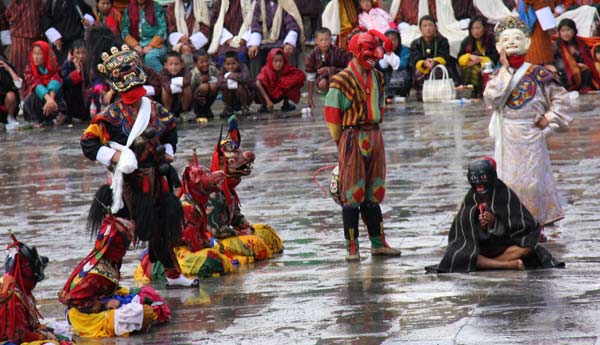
(396,68)
(279,81)
(276,24)
(408,12)
(107,15)
(188,25)
(323,62)
(572,60)
(203,84)
(371,17)
(10,83)
(146,35)
(76,83)
(235,85)
(428,51)
(231,21)
(64,22)
(176,92)
(478,49)
(43,98)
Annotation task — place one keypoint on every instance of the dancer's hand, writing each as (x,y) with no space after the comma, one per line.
(504,59)
(486,219)
(116,157)
(112,304)
(542,123)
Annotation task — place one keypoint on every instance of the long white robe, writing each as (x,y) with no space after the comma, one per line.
(524,154)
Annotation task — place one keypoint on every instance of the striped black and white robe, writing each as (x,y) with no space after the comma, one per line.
(467,240)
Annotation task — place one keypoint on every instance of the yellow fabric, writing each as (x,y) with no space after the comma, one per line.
(440,60)
(269,236)
(139,276)
(96,325)
(246,245)
(463,60)
(421,67)
(191,262)
(41,342)
(335,130)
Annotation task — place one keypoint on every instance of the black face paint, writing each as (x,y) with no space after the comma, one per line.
(481,174)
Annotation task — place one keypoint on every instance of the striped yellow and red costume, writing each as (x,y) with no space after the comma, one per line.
(353,111)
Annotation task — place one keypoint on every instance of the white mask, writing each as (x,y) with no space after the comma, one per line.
(513,41)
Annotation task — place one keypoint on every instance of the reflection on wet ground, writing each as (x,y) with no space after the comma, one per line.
(310,295)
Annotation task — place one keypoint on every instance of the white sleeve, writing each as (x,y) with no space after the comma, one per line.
(169,150)
(198,40)
(18,83)
(105,155)
(175,89)
(291,38)
(383,63)
(393,60)
(255,39)
(149,90)
(89,18)
(560,9)
(5,37)
(225,36)
(311,76)
(174,37)
(246,35)
(52,34)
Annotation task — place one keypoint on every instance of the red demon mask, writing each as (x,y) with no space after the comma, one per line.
(366,49)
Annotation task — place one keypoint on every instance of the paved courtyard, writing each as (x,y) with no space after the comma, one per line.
(310,295)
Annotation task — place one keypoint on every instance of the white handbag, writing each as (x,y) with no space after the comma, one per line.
(438,90)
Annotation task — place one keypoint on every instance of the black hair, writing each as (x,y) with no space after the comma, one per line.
(395,33)
(198,53)
(99,39)
(323,31)
(174,54)
(429,18)
(77,44)
(568,23)
(111,1)
(232,55)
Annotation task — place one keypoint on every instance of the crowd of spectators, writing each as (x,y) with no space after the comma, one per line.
(243,52)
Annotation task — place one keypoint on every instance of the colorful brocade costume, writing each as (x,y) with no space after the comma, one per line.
(137,138)
(235,236)
(195,253)
(19,316)
(97,305)
(353,111)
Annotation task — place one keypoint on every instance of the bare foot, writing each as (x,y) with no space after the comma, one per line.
(519,265)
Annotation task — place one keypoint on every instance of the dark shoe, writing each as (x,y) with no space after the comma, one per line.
(287,106)
(226,112)
(61,119)
(263,109)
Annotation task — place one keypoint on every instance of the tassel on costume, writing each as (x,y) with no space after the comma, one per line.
(98,209)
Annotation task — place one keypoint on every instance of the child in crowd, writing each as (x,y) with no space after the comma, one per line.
(76,82)
(279,81)
(10,83)
(372,17)
(323,62)
(176,92)
(396,68)
(107,15)
(43,99)
(203,84)
(234,83)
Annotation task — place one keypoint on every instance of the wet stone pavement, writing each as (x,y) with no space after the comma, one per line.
(310,295)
